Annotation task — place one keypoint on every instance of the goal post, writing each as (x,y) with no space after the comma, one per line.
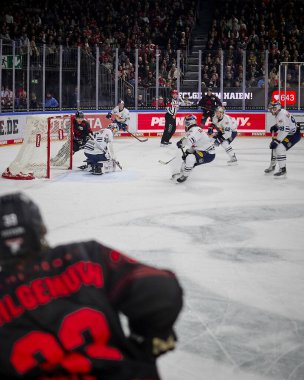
(47,145)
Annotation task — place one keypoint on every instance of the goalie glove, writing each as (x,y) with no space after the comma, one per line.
(109,115)
(274,143)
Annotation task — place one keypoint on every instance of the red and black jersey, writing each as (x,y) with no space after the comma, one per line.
(81,131)
(209,103)
(59,315)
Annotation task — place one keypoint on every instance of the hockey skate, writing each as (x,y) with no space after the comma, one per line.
(281,173)
(97,169)
(83,167)
(232,161)
(175,176)
(270,169)
(165,143)
(182,178)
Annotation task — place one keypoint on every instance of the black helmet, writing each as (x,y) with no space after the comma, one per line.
(79,115)
(21,227)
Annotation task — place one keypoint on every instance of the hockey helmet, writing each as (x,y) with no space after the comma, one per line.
(219,113)
(190,121)
(121,104)
(79,115)
(275,107)
(113,127)
(21,227)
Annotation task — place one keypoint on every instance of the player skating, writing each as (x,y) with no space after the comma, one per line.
(59,307)
(100,152)
(208,104)
(120,115)
(225,132)
(199,149)
(288,134)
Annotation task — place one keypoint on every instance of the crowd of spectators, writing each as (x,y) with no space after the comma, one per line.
(254,26)
(129,25)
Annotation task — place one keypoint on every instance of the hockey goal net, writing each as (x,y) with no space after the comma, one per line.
(47,144)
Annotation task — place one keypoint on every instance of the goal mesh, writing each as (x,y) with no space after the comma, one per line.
(47,143)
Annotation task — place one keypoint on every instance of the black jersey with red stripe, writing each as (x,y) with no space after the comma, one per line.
(59,314)
(81,130)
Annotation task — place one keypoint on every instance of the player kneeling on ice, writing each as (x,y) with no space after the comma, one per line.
(225,132)
(288,134)
(199,148)
(100,152)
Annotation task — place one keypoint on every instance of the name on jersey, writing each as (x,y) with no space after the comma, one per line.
(41,291)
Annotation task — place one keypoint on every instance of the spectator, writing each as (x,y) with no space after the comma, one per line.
(140,101)
(50,101)
(186,102)
(33,101)
(129,99)
(161,102)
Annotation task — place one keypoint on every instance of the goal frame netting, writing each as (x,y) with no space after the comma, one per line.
(47,145)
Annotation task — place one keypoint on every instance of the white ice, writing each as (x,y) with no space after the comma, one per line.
(233,236)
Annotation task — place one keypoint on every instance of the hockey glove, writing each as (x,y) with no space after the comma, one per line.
(109,115)
(274,143)
(216,142)
(180,143)
(274,128)
(154,346)
(185,154)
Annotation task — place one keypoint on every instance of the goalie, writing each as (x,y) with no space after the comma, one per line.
(100,152)
(120,116)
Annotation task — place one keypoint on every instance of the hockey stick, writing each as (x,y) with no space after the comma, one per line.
(118,164)
(166,162)
(141,140)
(171,159)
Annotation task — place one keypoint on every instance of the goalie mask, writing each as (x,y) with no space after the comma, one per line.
(275,107)
(219,113)
(190,121)
(21,228)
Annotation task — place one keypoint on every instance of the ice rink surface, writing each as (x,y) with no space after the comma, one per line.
(233,236)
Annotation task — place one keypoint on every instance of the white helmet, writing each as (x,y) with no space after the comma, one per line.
(275,107)
(219,112)
(190,121)
(113,127)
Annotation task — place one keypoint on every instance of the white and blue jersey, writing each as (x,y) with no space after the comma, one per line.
(100,148)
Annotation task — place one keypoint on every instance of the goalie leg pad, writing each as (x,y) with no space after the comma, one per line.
(108,166)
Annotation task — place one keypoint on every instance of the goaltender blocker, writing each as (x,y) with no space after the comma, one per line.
(59,307)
